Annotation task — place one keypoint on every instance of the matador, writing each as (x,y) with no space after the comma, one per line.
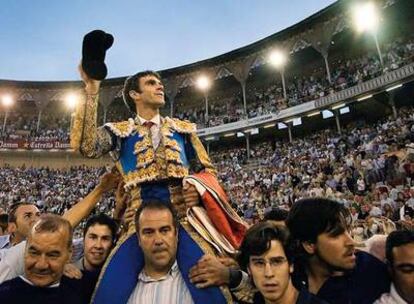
(154,154)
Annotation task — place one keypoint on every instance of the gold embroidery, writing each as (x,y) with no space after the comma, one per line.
(202,154)
(136,201)
(145,158)
(83,133)
(88,143)
(173,156)
(141,175)
(171,144)
(161,162)
(77,125)
(123,128)
(176,171)
(143,144)
(181,126)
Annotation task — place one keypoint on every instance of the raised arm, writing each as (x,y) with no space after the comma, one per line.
(85,206)
(85,137)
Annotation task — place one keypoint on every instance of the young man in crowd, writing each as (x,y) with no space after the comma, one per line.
(277,216)
(4,220)
(265,255)
(400,259)
(326,261)
(48,249)
(99,237)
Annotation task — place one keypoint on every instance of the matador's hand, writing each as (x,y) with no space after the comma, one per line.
(209,271)
(91,85)
(190,194)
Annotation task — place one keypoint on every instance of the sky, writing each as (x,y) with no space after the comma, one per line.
(42,40)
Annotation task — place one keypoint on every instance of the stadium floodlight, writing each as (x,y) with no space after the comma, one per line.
(364,97)
(281,125)
(297,121)
(394,87)
(71,100)
(344,110)
(203,83)
(327,114)
(210,138)
(7,100)
(269,126)
(366,17)
(313,114)
(338,106)
(278,59)
(229,134)
(290,120)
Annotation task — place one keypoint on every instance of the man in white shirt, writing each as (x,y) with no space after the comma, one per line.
(160,281)
(22,216)
(47,250)
(400,258)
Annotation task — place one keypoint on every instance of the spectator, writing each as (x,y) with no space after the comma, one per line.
(266,256)
(48,249)
(99,238)
(327,263)
(4,219)
(161,280)
(21,218)
(400,258)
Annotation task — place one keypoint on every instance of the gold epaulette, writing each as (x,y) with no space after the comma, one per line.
(181,126)
(122,128)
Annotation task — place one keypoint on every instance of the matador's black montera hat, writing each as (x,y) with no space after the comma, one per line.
(94,47)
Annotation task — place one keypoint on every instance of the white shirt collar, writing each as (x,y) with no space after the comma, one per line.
(5,241)
(156,120)
(395,296)
(30,283)
(147,279)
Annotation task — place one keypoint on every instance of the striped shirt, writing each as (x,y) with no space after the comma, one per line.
(169,289)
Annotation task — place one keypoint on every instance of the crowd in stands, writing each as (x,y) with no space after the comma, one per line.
(358,168)
(347,200)
(262,99)
(268,98)
(52,127)
(52,190)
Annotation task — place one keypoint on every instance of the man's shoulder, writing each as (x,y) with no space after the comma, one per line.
(4,241)
(181,126)
(305,297)
(9,286)
(121,128)
(371,271)
(366,260)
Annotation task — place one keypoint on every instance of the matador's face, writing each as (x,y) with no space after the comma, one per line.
(151,92)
